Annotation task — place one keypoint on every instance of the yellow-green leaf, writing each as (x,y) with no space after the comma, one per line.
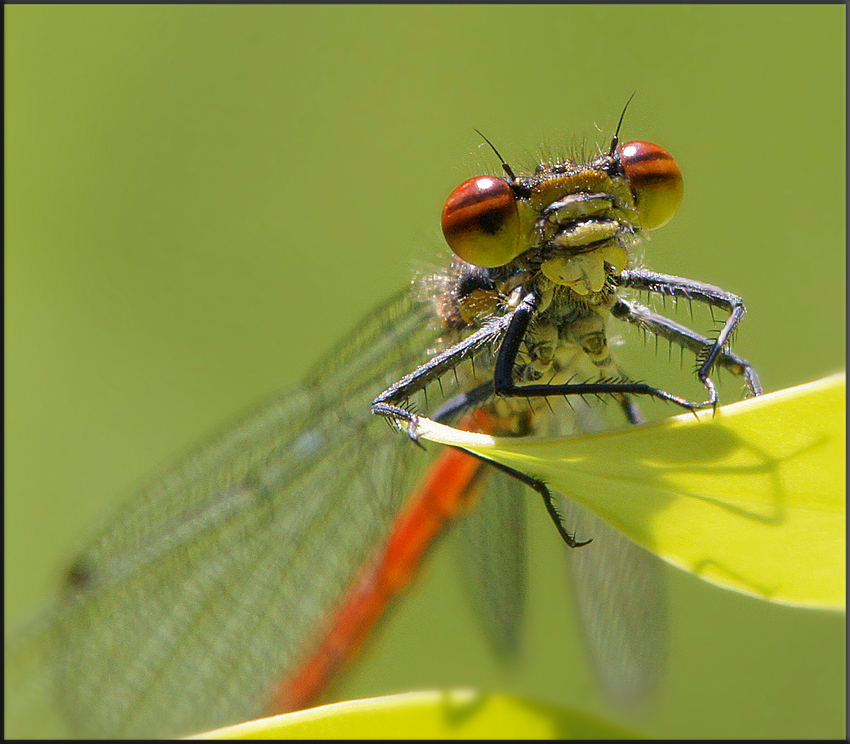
(453,714)
(752,499)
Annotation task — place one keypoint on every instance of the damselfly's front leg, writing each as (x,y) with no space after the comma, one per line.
(503,377)
(389,402)
(676,286)
(661,326)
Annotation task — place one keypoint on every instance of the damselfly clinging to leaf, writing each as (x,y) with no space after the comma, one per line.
(241,581)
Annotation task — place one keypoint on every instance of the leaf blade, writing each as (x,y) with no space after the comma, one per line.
(751,499)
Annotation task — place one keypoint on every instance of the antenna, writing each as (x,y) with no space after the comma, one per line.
(505,166)
(616,140)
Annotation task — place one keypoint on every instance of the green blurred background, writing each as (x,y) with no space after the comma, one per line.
(201,200)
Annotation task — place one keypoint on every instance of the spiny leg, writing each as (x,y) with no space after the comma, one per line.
(389,403)
(686,338)
(503,376)
(676,286)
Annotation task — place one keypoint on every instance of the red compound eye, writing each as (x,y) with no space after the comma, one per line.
(655,179)
(481,222)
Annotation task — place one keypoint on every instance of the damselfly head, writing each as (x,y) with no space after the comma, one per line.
(572,222)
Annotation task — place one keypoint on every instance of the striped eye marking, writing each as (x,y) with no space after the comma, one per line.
(655,180)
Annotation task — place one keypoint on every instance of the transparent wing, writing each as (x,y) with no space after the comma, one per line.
(204,588)
(618,586)
(620,595)
(621,600)
(490,544)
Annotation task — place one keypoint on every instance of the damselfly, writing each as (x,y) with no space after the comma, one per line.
(245,578)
